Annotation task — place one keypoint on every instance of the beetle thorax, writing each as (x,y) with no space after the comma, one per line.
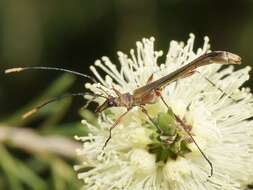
(125,100)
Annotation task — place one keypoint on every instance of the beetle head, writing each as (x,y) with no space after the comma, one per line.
(109,102)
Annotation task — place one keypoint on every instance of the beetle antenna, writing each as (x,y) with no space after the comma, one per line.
(19,69)
(57,98)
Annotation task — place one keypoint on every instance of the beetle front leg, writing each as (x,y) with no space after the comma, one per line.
(113,126)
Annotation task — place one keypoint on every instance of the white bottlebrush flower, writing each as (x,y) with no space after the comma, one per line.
(134,159)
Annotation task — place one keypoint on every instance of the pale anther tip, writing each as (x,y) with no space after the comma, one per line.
(191,35)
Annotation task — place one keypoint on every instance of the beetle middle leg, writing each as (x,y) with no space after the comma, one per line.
(185,127)
(150,118)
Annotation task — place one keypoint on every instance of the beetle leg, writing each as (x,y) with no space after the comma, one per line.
(150,118)
(182,123)
(150,79)
(113,126)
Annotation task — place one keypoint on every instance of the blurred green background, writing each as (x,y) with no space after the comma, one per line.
(38,153)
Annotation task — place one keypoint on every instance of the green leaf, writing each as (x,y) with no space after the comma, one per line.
(63,176)
(8,166)
(18,173)
(29,177)
(67,129)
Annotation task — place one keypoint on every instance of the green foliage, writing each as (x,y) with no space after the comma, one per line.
(23,168)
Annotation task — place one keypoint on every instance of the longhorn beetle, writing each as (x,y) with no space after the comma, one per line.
(147,94)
